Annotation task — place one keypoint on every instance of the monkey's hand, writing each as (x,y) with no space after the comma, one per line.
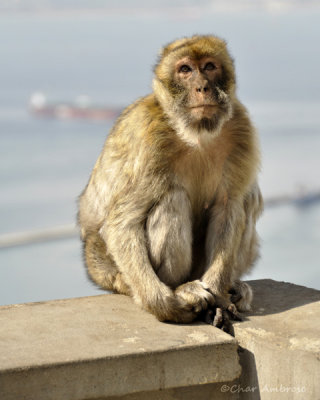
(195,296)
(166,306)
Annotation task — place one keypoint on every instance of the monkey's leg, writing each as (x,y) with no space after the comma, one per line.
(169,233)
(232,248)
(226,225)
(100,266)
(241,292)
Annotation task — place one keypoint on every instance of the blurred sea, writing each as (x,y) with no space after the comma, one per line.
(45,163)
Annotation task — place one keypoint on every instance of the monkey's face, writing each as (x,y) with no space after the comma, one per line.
(197,88)
(195,82)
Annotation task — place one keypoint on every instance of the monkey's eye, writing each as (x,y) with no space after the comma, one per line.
(210,66)
(184,68)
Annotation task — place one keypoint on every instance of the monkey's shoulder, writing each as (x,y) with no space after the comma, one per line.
(137,151)
(143,129)
(142,115)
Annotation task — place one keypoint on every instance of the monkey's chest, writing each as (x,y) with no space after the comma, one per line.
(200,172)
(201,185)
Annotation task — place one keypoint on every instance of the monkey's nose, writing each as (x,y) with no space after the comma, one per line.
(202,89)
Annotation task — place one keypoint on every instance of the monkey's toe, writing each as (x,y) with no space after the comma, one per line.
(221,317)
(217,317)
(234,313)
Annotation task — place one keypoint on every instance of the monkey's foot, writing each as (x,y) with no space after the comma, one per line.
(220,317)
(241,295)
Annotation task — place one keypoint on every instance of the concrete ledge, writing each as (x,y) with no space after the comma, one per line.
(105,346)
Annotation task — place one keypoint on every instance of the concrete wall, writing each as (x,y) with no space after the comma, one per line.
(105,347)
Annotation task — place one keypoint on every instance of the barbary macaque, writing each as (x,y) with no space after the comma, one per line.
(168,216)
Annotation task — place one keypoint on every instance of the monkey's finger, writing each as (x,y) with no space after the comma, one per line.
(210,299)
(209,296)
(200,307)
(197,308)
(233,313)
(209,317)
(227,326)
(218,319)
(204,302)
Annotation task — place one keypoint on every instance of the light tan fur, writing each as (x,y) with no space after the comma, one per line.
(168,216)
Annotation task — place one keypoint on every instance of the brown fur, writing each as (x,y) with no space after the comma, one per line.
(169,213)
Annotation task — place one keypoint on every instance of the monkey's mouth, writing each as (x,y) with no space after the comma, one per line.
(204,110)
(205,106)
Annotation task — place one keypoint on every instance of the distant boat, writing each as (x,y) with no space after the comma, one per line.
(307,199)
(81,108)
(302,199)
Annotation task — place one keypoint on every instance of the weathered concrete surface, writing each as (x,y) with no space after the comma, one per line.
(105,346)
(280,343)
(211,391)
